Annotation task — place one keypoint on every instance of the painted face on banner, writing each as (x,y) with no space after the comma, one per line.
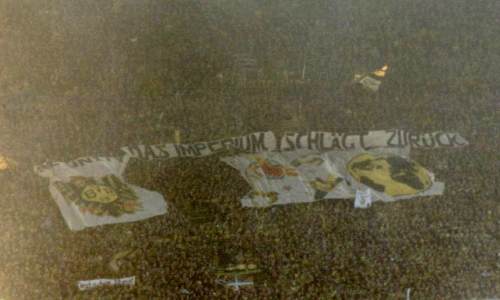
(392,175)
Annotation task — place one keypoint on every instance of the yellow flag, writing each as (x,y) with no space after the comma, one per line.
(381,72)
(3,163)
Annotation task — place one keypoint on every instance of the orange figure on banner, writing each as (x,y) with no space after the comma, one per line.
(270,168)
(275,170)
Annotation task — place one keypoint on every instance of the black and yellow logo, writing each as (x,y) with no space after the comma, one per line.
(392,175)
(108,197)
(99,193)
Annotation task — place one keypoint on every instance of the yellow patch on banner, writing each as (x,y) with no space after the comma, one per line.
(392,175)
(325,185)
(271,196)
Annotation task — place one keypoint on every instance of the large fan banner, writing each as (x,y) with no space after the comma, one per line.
(389,173)
(307,176)
(91,191)
(295,168)
(289,177)
(315,140)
